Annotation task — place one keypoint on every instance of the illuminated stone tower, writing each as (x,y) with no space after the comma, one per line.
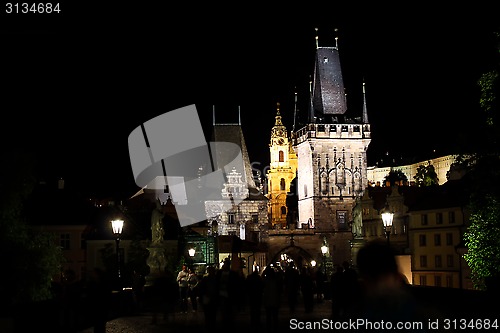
(332,163)
(282,170)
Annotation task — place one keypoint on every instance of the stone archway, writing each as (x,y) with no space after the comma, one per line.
(300,256)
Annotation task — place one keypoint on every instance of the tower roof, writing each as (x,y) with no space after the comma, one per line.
(232,133)
(328,95)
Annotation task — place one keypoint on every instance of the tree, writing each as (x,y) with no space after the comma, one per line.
(395,176)
(29,259)
(482,236)
(426,175)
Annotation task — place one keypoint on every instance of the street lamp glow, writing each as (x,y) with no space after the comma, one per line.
(324,249)
(387,217)
(117,226)
(313,263)
(191,252)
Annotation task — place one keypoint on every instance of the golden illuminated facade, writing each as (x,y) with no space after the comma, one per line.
(282,171)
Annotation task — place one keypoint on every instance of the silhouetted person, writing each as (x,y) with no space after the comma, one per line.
(271,296)
(292,287)
(254,287)
(209,294)
(99,294)
(158,296)
(182,280)
(336,285)
(307,289)
(386,297)
(320,284)
(193,289)
(350,290)
(227,285)
(138,283)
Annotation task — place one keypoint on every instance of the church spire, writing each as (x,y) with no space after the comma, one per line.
(365,112)
(294,110)
(278,115)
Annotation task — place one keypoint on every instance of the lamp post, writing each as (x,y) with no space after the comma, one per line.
(192,252)
(117,226)
(324,250)
(387,217)
(215,234)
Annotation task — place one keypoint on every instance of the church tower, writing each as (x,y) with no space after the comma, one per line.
(282,171)
(332,163)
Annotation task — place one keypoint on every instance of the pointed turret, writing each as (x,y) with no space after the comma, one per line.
(365,112)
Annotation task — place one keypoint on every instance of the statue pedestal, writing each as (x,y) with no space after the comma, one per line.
(356,244)
(157,262)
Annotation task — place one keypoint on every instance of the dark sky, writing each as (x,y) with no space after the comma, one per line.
(76,85)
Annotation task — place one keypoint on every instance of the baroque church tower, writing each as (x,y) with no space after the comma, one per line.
(282,171)
(332,163)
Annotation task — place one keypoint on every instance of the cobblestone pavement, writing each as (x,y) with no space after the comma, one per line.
(194,321)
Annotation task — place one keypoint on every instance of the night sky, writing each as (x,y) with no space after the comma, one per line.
(76,85)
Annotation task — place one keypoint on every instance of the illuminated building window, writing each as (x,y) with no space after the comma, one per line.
(437,261)
(437,239)
(281,156)
(423,261)
(282,184)
(422,240)
(437,281)
(449,260)
(439,218)
(423,280)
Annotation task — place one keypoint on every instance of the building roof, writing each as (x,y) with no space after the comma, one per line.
(328,92)
(232,133)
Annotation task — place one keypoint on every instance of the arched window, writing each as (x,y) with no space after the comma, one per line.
(281,156)
(282,184)
(283,210)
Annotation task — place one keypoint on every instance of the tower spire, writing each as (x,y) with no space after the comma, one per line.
(365,112)
(213,115)
(336,38)
(311,106)
(294,110)
(317,41)
(278,115)
(239,115)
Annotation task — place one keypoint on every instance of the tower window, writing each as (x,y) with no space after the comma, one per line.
(282,184)
(230,217)
(281,156)
(283,210)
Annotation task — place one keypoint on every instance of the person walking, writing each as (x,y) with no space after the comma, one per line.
(193,290)
(271,297)
(208,296)
(182,280)
(254,287)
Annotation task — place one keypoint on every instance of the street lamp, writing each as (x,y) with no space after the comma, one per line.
(324,250)
(117,226)
(387,217)
(191,252)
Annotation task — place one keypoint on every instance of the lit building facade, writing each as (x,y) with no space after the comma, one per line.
(282,170)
